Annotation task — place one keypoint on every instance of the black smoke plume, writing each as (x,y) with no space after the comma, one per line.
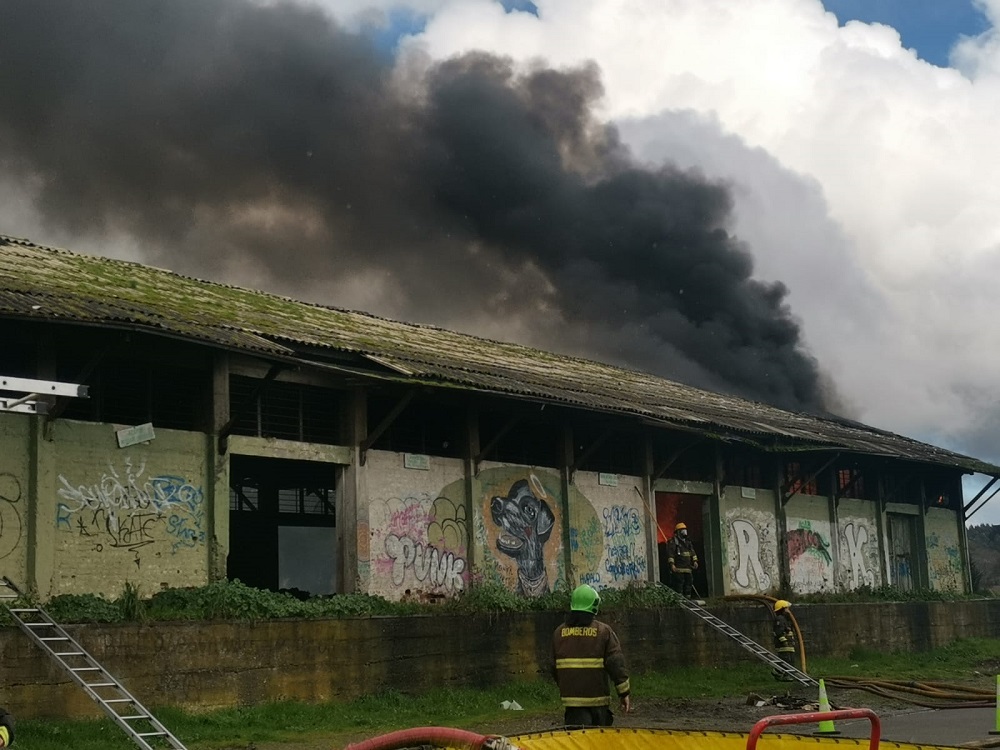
(229,136)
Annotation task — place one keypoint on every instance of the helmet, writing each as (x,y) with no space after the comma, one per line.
(781,604)
(585,599)
(680,526)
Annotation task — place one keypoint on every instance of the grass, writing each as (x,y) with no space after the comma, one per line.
(470,708)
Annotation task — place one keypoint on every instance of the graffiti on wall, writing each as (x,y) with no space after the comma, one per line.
(944,564)
(525,521)
(858,545)
(519,528)
(810,564)
(10,519)
(586,542)
(423,543)
(622,536)
(805,541)
(128,510)
(750,553)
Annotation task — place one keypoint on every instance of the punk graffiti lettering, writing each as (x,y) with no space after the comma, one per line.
(430,565)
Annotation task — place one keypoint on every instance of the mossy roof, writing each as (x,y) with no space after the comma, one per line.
(43,283)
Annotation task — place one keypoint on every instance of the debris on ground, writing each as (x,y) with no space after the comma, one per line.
(799,705)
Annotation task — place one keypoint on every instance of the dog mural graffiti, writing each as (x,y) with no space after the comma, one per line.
(525,523)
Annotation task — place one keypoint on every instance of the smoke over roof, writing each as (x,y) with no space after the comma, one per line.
(224,134)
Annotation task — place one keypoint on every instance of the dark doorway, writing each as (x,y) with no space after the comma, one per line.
(902,542)
(282,524)
(671,509)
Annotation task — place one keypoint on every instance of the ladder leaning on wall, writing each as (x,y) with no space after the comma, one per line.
(778,664)
(117,702)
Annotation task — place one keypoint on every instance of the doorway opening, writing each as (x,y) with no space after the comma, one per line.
(677,507)
(282,525)
(902,543)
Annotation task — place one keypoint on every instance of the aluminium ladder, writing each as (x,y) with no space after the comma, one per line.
(117,702)
(777,663)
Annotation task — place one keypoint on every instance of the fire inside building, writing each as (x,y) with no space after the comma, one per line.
(213,432)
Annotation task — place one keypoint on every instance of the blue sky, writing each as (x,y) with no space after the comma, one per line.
(929,26)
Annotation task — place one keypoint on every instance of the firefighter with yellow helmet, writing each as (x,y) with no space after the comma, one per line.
(784,635)
(683,560)
(585,653)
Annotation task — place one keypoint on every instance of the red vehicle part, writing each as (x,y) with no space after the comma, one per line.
(437,736)
(815,718)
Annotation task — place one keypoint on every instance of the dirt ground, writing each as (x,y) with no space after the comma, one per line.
(735,714)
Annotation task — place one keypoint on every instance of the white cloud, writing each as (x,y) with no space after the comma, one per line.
(863,175)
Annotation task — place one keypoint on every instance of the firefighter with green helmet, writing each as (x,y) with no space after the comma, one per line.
(6,728)
(784,636)
(585,653)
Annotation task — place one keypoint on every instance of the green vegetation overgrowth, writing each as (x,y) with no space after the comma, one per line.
(248,727)
(233,600)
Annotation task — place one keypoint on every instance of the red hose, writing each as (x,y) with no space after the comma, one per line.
(440,736)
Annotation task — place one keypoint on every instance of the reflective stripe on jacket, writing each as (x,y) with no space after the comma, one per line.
(784,634)
(681,554)
(584,656)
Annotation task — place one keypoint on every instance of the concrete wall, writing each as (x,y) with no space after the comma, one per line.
(858,545)
(519,517)
(944,557)
(808,544)
(608,531)
(750,540)
(133,514)
(211,665)
(15,481)
(417,527)
(81,515)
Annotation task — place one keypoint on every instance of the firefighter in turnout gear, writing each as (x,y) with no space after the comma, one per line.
(784,636)
(6,728)
(683,561)
(585,652)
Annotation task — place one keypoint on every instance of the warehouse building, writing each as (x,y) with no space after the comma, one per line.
(231,433)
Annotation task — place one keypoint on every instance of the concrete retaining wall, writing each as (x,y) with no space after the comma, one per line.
(209,665)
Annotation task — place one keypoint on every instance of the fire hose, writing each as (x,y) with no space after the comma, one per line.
(459,739)
(924,694)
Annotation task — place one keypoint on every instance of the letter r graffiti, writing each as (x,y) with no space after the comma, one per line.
(748,555)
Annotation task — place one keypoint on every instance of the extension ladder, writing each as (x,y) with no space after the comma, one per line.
(777,663)
(117,702)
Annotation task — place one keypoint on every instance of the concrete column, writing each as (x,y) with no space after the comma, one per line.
(217,469)
(474,555)
(566,461)
(352,501)
(781,527)
(715,557)
(649,500)
(40,516)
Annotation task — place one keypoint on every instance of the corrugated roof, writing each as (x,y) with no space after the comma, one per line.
(51,284)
